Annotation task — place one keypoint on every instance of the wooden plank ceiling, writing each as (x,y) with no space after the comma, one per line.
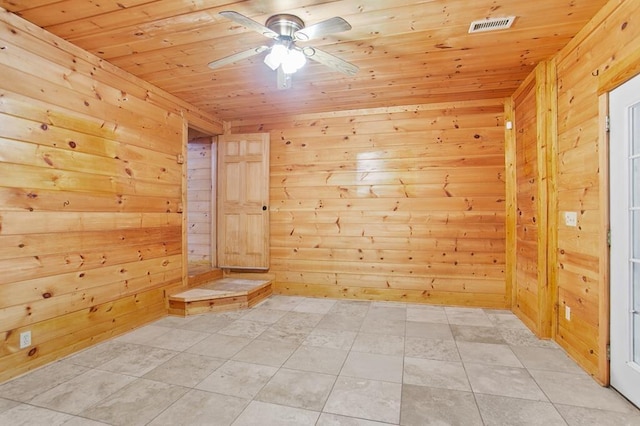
(408,52)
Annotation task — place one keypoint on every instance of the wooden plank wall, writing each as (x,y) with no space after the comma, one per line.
(534,141)
(402,204)
(199,201)
(609,39)
(90,190)
(527,183)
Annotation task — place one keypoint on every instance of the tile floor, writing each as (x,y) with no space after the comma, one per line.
(299,361)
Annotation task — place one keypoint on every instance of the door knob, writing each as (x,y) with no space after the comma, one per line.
(264,208)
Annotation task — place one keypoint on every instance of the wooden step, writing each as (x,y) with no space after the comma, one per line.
(220,295)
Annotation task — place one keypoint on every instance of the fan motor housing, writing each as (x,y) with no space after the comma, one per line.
(284,24)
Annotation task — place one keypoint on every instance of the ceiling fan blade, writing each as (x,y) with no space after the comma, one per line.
(284,79)
(331,61)
(237,57)
(249,23)
(330,26)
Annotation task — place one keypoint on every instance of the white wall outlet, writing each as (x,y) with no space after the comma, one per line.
(25,339)
(571,218)
(567,313)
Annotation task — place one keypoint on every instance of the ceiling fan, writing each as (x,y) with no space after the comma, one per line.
(284,56)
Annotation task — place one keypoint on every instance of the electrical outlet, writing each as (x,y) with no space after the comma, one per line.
(25,339)
(571,218)
(567,313)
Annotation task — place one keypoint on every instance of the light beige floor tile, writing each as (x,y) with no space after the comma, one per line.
(423,406)
(208,323)
(301,389)
(470,333)
(266,353)
(388,304)
(82,391)
(387,311)
(468,316)
(582,416)
(500,410)
(202,408)
(315,306)
(524,337)
(138,361)
(437,374)
(245,329)
(136,404)
(316,339)
(379,344)
(6,404)
(503,381)
(300,319)
(432,314)
(25,387)
(83,421)
(239,379)
(143,334)
(28,415)
(269,316)
(319,360)
(354,308)
(427,330)
(219,346)
(185,369)
(363,365)
(174,321)
(177,339)
(552,359)
(505,319)
(326,338)
(341,321)
(265,414)
(327,419)
(488,353)
(375,325)
(580,390)
(366,399)
(100,354)
(286,332)
(280,303)
(442,350)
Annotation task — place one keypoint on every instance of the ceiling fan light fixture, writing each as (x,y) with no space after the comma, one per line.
(294,61)
(277,56)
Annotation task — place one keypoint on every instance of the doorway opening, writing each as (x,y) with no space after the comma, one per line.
(201,202)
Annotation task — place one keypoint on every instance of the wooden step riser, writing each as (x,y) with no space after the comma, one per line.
(184,304)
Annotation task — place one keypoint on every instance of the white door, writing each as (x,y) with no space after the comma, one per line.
(624,159)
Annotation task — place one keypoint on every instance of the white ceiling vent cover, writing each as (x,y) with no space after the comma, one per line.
(491,24)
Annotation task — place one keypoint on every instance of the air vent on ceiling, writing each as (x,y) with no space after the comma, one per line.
(491,24)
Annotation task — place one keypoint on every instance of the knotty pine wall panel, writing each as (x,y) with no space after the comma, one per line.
(527,218)
(199,193)
(610,39)
(401,204)
(91,187)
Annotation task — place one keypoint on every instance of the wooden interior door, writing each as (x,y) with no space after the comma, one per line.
(243,197)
